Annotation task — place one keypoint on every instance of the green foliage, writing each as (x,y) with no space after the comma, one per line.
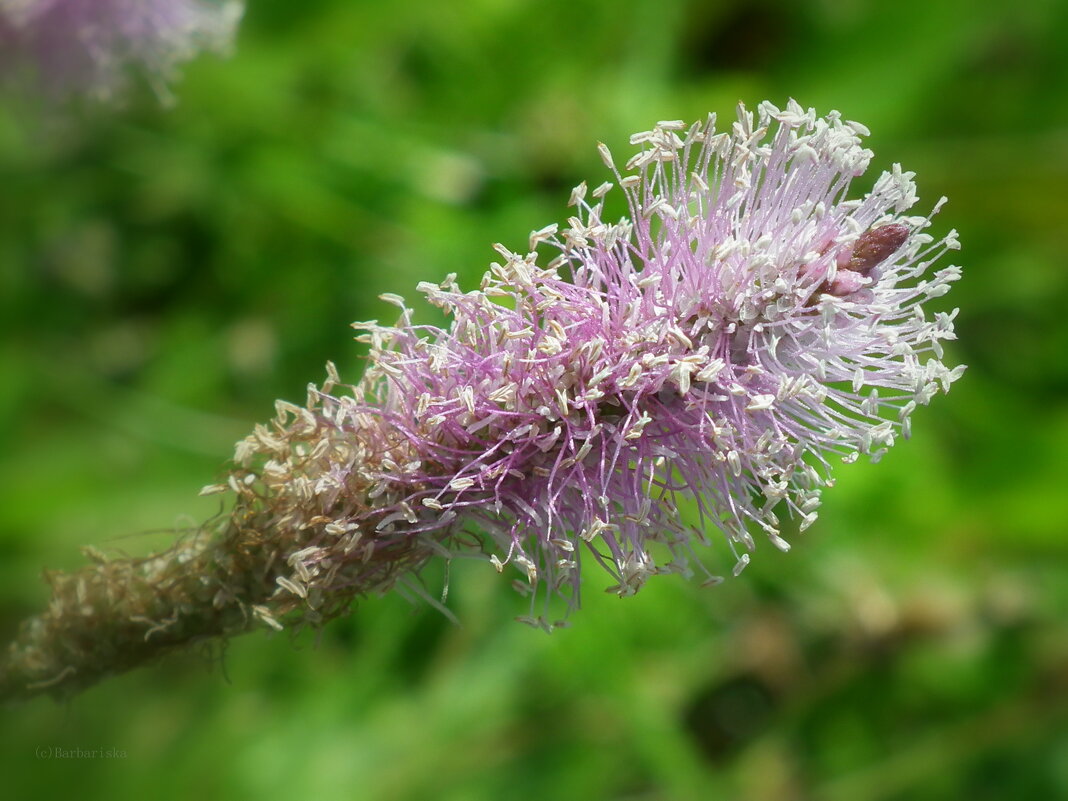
(165,273)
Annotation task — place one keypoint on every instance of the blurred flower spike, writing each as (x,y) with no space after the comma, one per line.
(745,323)
(91,47)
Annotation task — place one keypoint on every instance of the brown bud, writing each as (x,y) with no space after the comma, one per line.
(876,245)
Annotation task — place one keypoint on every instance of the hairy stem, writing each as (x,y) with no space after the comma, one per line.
(114,615)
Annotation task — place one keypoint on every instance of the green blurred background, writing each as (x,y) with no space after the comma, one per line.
(165,273)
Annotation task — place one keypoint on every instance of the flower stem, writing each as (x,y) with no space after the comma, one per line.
(114,615)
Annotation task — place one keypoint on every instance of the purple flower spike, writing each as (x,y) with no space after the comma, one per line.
(743,325)
(87,46)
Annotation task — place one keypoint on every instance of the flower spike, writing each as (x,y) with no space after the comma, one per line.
(744,326)
(88,46)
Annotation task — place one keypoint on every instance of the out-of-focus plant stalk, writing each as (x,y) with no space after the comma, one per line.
(91,47)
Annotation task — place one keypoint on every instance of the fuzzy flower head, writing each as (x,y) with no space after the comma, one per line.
(75,46)
(743,327)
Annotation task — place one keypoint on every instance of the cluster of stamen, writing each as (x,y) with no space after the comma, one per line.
(743,323)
